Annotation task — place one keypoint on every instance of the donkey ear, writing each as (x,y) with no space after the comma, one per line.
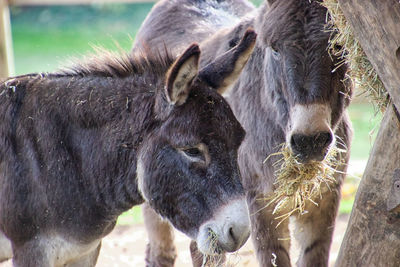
(225,69)
(181,74)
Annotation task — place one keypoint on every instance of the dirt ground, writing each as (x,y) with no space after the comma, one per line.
(125,247)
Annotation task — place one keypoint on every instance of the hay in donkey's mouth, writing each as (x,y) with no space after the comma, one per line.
(298,183)
(212,260)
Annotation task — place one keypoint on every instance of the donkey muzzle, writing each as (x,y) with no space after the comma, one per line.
(310,134)
(311,147)
(227,230)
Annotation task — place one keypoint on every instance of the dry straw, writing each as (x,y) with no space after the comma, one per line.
(212,260)
(344,45)
(300,183)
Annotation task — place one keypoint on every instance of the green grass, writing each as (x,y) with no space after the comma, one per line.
(132,216)
(48,52)
(366,123)
(257,2)
(45,38)
(346,205)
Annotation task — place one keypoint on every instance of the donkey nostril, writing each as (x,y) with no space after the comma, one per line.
(323,139)
(292,142)
(299,142)
(231,234)
(295,141)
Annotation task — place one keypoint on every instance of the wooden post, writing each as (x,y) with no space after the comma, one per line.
(373,235)
(376,25)
(6,54)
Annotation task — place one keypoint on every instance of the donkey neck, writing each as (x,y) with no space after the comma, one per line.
(129,118)
(252,98)
(107,106)
(102,121)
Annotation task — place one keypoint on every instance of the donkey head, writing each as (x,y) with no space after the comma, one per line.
(187,169)
(307,85)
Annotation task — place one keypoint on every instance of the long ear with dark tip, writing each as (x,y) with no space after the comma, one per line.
(225,69)
(181,74)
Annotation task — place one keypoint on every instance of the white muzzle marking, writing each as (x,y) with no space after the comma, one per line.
(309,120)
(227,230)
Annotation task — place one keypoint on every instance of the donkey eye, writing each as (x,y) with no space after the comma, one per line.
(198,153)
(193,152)
(275,52)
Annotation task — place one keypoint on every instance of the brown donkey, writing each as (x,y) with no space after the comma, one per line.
(79,147)
(291,91)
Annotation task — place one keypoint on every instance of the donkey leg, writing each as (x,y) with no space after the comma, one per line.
(197,256)
(199,260)
(271,243)
(32,254)
(314,231)
(89,260)
(161,250)
(5,248)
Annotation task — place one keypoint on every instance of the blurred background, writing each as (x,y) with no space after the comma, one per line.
(45,37)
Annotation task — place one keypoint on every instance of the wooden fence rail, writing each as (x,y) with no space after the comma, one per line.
(6,52)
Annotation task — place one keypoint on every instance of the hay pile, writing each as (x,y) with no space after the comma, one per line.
(298,183)
(344,45)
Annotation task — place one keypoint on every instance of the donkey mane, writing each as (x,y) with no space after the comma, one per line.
(105,63)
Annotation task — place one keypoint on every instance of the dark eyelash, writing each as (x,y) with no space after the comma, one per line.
(193,152)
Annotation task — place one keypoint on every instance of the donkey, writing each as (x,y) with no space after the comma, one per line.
(291,92)
(81,146)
